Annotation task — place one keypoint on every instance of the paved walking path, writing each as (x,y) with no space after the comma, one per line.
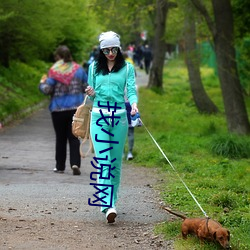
(31,192)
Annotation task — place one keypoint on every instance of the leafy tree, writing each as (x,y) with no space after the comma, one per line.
(175,24)
(156,72)
(241,18)
(78,29)
(242,33)
(21,34)
(221,28)
(28,33)
(135,15)
(126,17)
(201,99)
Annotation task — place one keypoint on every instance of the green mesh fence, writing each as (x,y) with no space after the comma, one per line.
(207,55)
(208,58)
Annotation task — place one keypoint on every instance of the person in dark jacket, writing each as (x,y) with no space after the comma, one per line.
(147,54)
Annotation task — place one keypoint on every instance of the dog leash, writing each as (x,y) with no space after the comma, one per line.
(174,169)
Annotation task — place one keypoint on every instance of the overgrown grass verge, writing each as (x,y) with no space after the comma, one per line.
(19,88)
(214,165)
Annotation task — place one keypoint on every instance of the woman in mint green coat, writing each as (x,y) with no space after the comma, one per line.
(108,78)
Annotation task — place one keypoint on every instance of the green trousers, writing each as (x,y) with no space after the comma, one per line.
(108,140)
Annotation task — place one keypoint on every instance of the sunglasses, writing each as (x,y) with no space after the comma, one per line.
(106,51)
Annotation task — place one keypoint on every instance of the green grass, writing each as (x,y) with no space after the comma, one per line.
(214,164)
(19,88)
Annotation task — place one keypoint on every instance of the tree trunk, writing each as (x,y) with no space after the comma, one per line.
(235,109)
(159,47)
(201,99)
(223,38)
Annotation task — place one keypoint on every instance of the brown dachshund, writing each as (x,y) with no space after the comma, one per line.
(204,229)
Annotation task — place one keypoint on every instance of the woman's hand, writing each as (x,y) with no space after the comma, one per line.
(90,91)
(134,109)
(43,79)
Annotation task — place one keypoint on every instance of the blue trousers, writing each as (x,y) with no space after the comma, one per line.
(108,141)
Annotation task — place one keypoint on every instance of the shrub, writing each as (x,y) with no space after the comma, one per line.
(223,200)
(231,146)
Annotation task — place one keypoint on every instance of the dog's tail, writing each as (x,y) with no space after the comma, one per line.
(175,213)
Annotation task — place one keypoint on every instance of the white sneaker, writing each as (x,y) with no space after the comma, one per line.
(111,215)
(129,156)
(58,171)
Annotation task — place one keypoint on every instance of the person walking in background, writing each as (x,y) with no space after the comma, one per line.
(138,52)
(108,78)
(127,57)
(93,55)
(130,133)
(128,108)
(65,83)
(147,54)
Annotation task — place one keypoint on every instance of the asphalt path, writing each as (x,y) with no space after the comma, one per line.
(26,164)
(31,190)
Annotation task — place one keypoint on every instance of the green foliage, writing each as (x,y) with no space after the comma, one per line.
(127,17)
(19,87)
(170,230)
(241,17)
(231,146)
(29,33)
(224,200)
(175,28)
(219,183)
(175,25)
(243,59)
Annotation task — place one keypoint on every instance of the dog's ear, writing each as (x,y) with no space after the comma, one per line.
(228,237)
(214,235)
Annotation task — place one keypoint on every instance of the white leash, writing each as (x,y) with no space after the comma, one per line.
(174,170)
